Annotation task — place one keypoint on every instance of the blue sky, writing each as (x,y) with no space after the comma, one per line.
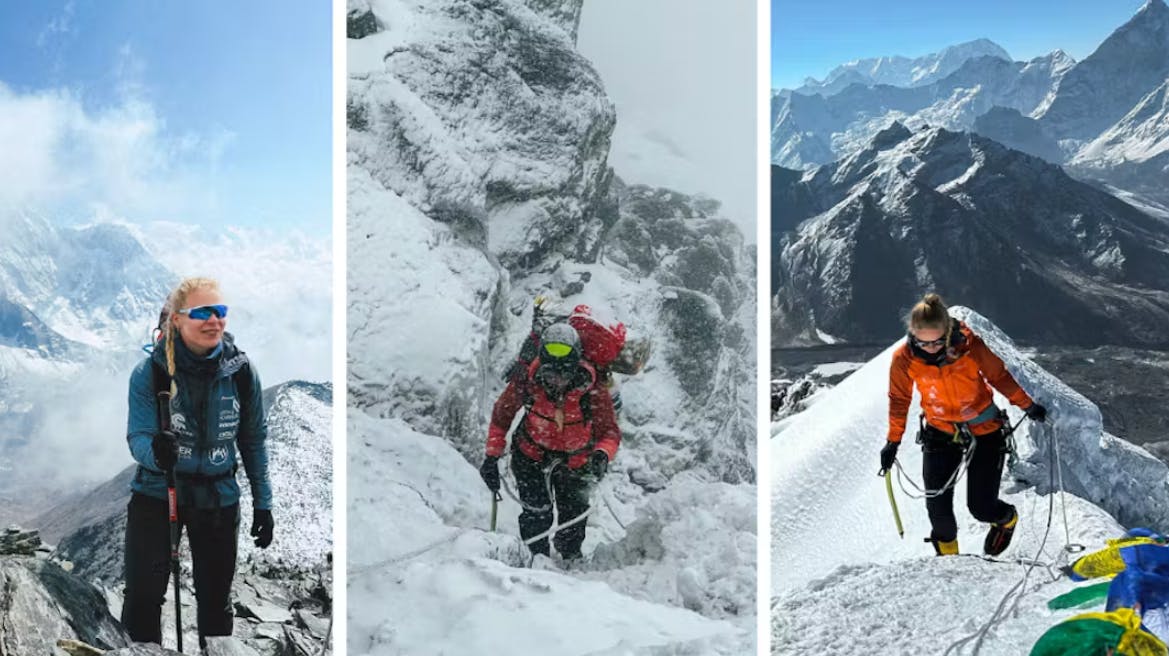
(215,113)
(810,38)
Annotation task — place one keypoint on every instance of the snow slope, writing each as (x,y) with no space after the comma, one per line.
(835,551)
(447,584)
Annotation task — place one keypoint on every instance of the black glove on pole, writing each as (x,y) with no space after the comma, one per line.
(888,455)
(165,448)
(262,527)
(489,471)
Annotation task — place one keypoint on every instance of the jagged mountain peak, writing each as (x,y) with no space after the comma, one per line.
(891,136)
(913,214)
(1103,87)
(1153,8)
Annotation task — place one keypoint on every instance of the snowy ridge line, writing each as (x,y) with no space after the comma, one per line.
(884,583)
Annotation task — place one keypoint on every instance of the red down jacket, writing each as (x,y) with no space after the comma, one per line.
(581,423)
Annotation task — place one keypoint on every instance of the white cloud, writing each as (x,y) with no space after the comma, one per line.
(60,153)
(277,283)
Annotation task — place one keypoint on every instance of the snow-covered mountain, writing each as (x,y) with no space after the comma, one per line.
(89,530)
(1103,117)
(1050,258)
(836,552)
(902,71)
(1106,85)
(812,130)
(93,284)
(1133,154)
(478,178)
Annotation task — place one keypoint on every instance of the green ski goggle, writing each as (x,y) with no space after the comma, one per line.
(558,350)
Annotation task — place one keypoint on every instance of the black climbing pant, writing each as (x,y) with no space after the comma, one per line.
(572,499)
(211,535)
(941,456)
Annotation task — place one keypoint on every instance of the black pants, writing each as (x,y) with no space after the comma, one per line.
(211,534)
(572,499)
(941,457)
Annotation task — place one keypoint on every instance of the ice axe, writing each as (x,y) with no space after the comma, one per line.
(893,503)
(495,499)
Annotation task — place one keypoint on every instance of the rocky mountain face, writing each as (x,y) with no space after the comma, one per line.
(1050,258)
(42,602)
(478,179)
(283,595)
(1106,85)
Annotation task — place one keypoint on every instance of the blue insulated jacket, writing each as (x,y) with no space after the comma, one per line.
(212,423)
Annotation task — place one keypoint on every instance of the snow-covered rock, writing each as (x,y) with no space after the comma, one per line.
(478,144)
(43,604)
(485,117)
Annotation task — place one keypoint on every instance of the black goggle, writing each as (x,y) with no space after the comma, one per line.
(930,344)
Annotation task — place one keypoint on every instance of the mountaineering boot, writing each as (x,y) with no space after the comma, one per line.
(998,538)
(944,548)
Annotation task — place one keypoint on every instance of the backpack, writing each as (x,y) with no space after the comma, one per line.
(604,347)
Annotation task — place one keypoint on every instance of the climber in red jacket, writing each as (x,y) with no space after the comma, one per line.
(564,443)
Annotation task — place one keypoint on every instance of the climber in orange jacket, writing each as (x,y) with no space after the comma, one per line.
(954,370)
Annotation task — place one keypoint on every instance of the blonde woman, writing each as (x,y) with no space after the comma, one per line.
(954,371)
(216,412)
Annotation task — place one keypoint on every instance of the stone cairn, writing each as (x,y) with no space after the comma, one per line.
(18,542)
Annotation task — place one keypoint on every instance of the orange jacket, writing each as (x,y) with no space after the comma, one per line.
(954,391)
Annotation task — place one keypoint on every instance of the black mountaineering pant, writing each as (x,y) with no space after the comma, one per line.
(941,456)
(572,499)
(211,534)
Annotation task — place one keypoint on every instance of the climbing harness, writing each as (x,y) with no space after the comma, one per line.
(964,437)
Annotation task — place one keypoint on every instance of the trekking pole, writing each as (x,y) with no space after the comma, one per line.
(172,500)
(495,499)
(172,503)
(893,503)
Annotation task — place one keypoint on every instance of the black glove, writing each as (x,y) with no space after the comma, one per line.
(166,450)
(489,471)
(1036,412)
(262,525)
(888,455)
(598,465)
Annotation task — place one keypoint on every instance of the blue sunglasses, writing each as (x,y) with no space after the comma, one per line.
(204,312)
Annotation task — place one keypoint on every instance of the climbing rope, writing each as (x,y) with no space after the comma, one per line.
(1019,590)
(923,493)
